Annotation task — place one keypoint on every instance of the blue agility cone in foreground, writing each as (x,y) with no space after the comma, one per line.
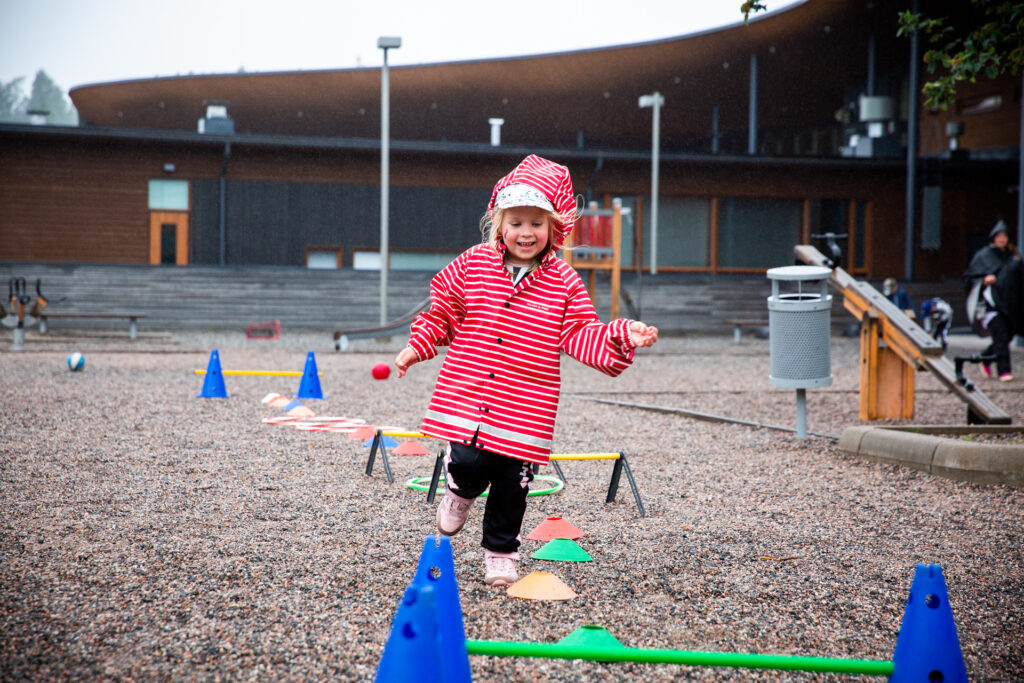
(309,387)
(213,383)
(428,639)
(927,648)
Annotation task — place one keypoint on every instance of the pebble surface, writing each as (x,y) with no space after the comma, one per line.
(148,534)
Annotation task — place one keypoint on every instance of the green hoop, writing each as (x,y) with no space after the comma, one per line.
(556,485)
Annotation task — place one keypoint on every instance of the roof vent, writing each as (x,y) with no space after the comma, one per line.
(216,121)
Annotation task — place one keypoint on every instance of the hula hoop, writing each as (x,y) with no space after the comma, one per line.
(556,485)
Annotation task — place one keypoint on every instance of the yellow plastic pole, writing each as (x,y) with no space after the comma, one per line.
(256,373)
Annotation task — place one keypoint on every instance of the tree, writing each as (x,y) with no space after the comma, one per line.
(48,96)
(12,101)
(991,48)
(992,44)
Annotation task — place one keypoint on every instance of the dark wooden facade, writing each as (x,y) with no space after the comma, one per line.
(82,197)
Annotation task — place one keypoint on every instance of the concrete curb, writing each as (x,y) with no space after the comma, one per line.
(919,447)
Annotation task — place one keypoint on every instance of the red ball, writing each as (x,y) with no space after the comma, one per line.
(381,371)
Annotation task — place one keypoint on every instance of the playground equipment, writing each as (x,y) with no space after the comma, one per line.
(799,334)
(259,373)
(213,378)
(595,244)
(562,550)
(892,347)
(428,639)
(621,464)
(21,315)
(541,586)
(554,485)
(342,337)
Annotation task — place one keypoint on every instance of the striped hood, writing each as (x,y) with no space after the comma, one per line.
(554,182)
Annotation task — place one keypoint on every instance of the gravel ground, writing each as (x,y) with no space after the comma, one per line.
(151,535)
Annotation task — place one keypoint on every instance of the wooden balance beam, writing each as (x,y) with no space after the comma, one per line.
(892,348)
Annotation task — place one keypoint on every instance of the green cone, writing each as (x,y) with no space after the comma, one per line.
(562,550)
(590,635)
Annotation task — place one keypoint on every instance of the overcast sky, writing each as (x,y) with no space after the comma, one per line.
(93,41)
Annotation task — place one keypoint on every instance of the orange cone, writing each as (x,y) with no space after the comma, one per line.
(555,527)
(541,586)
(410,447)
(364,433)
(300,411)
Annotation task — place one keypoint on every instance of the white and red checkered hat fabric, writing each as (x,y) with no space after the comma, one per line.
(552,180)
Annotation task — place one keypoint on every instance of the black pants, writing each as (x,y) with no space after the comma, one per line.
(999,326)
(472,469)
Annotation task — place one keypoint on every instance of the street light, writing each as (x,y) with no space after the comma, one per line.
(655,101)
(384,43)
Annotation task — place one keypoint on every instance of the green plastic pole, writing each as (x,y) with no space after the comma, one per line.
(497,648)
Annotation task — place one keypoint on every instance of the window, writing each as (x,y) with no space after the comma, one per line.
(169,195)
(323,258)
(682,231)
(756,233)
(432,261)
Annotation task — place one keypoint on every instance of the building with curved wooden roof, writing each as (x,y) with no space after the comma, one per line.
(771,132)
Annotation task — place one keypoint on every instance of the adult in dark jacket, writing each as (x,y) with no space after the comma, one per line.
(995,299)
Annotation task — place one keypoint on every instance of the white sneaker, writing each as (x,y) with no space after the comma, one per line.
(500,568)
(452,513)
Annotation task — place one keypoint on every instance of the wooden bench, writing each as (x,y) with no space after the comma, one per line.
(738,325)
(133,318)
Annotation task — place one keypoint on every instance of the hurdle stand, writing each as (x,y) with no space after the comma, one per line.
(428,634)
(613,487)
(435,477)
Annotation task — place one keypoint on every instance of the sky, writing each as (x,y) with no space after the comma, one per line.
(78,42)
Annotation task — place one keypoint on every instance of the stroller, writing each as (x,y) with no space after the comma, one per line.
(937,316)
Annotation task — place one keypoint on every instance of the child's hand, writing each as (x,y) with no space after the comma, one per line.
(405,358)
(641,334)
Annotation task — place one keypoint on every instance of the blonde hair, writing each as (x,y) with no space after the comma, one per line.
(490,227)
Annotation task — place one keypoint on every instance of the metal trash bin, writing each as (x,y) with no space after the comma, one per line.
(799,328)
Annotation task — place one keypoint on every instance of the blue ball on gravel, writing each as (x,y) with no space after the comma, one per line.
(76,362)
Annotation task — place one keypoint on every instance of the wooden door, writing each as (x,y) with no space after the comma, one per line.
(168,238)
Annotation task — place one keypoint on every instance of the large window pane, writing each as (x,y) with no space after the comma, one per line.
(682,231)
(757,233)
(168,195)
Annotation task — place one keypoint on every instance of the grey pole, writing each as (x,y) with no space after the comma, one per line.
(801,413)
(222,200)
(1020,180)
(752,133)
(655,101)
(385,43)
(1020,191)
(912,113)
(714,130)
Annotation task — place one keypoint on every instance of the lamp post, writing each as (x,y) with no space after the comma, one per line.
(655,102)
(385,43)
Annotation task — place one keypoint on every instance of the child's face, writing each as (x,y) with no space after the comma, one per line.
(525,230)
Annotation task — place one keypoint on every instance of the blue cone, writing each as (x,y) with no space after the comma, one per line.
(428,639)
(309,387)
(927,648)
(385,441)
(213,383)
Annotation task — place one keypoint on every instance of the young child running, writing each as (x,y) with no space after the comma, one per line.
(507,308)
